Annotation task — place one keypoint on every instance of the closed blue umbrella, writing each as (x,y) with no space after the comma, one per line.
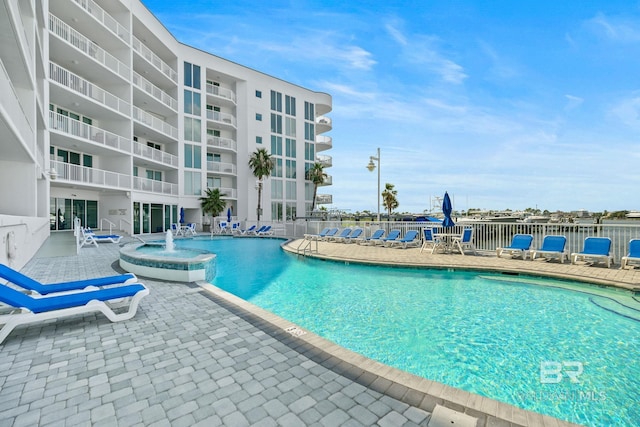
(446,209)
(229,214)
(181,215)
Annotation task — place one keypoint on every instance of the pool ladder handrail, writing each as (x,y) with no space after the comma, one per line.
(306,245)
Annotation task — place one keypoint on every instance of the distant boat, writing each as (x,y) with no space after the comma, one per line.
(633,215)
(536,219)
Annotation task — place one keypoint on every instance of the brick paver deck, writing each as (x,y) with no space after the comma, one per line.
(196,355)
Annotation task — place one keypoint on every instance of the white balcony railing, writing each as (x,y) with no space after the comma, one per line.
(103,17)
(324,141)
(328,180)
(324,199)
(221,167)
(154,59)
(13,107)
(217,116)
(228,193)
(154,122)
(67,125)
(153,186)
(155,91)
(154,154)
(74,38)
(325,160)
(84,175)
(221,92)
(86,88)
(323,120)
(218,142)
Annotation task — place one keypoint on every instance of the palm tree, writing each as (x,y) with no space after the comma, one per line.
(317,176)
(261,165)
(212,202)
(389,199)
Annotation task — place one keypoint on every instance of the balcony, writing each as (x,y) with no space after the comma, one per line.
(69,126)
(67,172)
(224,143)
(84,87)
(328,180)
(323,143)
(221,92)
(228,193)
(80,42)
(104,18)
(154,60)
(224,118)
(154,154)
(220,167)
(153,90)
(324,199)
(153,186)
(13,109)
(154,123)
(323,124)
(324,160)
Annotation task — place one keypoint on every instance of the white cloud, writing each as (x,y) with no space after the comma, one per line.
(615,29)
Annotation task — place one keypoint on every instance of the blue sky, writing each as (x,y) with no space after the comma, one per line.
(504,104)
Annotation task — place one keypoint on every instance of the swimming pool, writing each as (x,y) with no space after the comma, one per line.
(481,332)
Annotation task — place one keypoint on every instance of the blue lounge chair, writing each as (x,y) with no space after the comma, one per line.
(430,240)
(410,239)
(375,237)
(633,255)
(265,231)
(355,234)
(29,309)
(332,232)
(248,230)
(91,238)
(343,234)
(393,235)
(318,236)
(552,247)
(520,246)
(465,241)
(25,282)
(596,249)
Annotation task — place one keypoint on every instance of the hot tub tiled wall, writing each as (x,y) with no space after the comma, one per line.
(201,267)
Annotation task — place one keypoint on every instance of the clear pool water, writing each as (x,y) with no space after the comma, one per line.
(484,333)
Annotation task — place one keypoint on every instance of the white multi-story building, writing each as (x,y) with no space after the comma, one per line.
(106,117)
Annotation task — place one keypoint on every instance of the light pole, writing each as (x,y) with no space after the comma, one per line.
(371,166)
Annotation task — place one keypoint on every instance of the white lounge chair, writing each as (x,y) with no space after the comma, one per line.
(520,246)
(552,247)
(31,309)
(410,239)
(25,282)
(190,229)
(465,241)
(633,256)
(596,249)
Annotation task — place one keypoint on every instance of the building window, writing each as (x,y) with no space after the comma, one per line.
(214,182)
(192,185)
(259,117)
(192,156)
(290,105)
(276,189)
(191,75)
(192,102)
(290,126)
(290,148)
(290,168)
(154,145)
(309,151)
(309,111)
(276,211)
(258,94)
(309,131)
(276,101)
(258,140)
(276,123)
(154,175)
(276,145)
(192,129)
